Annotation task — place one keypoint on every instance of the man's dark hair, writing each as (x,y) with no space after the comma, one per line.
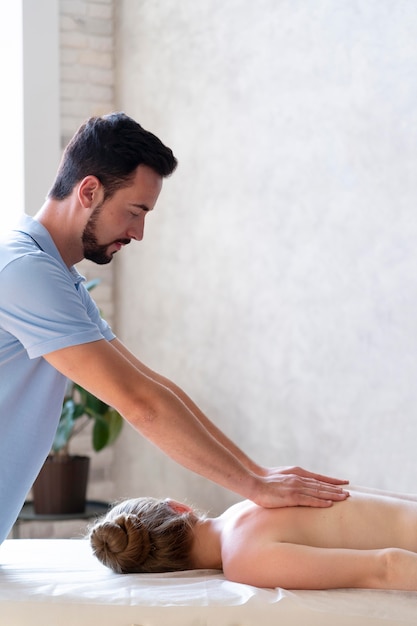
(111,148)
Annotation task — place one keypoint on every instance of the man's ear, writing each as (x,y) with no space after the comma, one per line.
(90,192)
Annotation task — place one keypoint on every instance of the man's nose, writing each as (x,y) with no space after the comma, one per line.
(136,231)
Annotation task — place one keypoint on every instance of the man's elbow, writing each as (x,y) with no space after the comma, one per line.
(142,411)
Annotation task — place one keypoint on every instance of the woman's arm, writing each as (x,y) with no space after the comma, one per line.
(294,566)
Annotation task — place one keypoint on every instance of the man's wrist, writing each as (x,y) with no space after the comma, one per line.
(253,487)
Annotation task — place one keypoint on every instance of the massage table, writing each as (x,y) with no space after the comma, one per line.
(58,582)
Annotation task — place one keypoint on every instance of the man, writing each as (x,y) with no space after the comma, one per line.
(109,178)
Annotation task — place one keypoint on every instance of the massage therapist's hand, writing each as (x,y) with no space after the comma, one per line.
(294,486)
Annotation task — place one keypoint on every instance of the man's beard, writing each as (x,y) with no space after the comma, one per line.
(93,251)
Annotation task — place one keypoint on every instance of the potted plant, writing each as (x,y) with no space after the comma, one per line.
(61,485)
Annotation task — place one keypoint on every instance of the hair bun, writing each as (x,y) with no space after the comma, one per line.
(120,537)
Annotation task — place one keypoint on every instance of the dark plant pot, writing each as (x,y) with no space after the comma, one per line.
(61,485)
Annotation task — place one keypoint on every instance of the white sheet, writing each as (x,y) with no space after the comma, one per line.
(51,582)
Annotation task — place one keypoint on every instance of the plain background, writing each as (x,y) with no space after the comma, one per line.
(277,279)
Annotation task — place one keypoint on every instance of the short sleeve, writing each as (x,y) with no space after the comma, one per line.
(42,307)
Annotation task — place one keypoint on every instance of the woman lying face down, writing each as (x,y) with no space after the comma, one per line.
(367,541)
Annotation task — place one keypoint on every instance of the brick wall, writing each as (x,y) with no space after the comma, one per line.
(87,72)
(87,88)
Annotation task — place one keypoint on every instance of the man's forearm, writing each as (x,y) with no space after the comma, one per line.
(224,462)
(214,431)
(165,420)
(212,428)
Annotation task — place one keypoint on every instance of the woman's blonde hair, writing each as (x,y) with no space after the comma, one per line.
(144,535)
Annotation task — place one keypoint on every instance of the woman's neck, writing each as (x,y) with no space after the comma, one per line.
(206,548)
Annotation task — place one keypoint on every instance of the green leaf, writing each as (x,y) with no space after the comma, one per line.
(106,429)
(100,434)
(79,411)
(115,422)
(93,406)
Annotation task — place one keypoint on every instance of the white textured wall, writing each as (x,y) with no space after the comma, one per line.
(277,279)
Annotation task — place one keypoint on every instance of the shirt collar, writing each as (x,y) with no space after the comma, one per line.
(43,239)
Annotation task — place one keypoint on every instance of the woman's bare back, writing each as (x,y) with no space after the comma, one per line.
(363,521)
(350,544)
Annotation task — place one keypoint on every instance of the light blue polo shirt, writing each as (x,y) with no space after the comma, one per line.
(44,306)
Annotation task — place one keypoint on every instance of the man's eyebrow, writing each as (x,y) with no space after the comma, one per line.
(144,207)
